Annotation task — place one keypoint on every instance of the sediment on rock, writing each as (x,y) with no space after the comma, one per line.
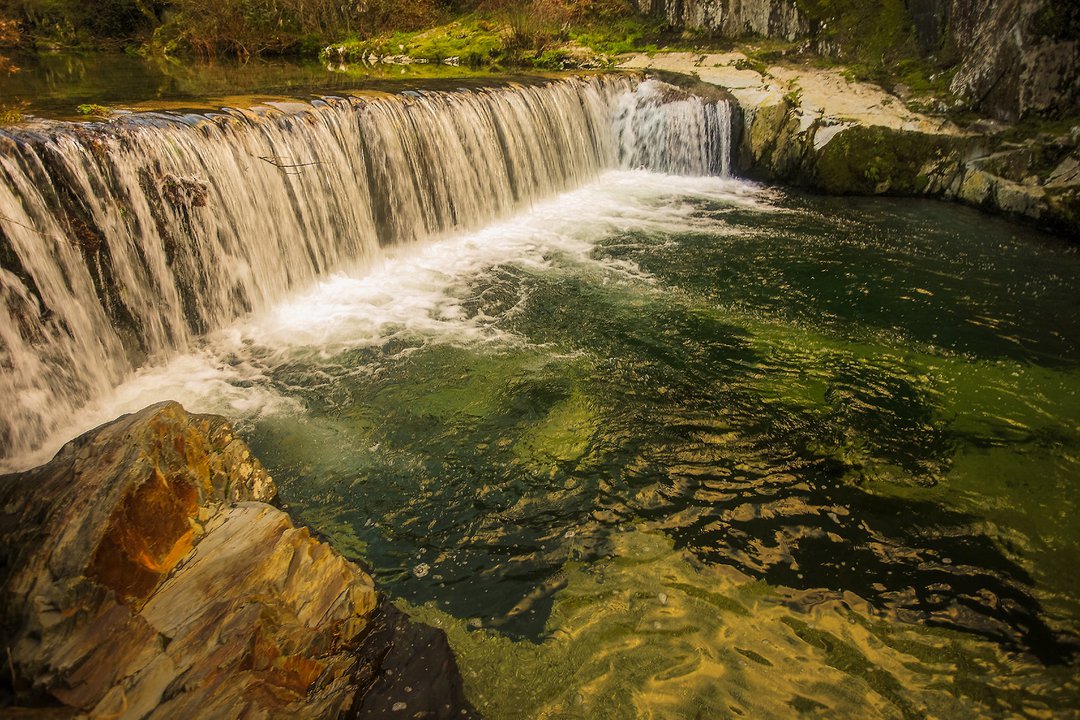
(144,575)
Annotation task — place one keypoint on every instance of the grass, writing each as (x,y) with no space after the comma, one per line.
(472,40)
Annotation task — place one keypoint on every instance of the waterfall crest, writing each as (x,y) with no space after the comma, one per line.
(122,243)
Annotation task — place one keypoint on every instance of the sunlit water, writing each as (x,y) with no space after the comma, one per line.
(689,447)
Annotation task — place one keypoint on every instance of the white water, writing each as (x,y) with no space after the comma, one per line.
(112,261)
(416,294)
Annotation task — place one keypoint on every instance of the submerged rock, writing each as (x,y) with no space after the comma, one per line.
(143,574)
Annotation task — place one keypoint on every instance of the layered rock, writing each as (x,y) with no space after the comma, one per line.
(143,574)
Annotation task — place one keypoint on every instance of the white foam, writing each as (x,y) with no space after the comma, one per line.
(416,293)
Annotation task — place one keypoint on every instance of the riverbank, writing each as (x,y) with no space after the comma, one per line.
(823,131)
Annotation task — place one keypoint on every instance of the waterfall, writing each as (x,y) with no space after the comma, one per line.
(660,127)
(122,243)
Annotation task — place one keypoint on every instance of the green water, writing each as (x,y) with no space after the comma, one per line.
(54,85)
(694,448)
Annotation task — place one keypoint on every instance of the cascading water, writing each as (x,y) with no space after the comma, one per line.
(123,243)
(697,143)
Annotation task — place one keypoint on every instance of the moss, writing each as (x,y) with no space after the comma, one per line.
(627,35)
(558,59)
(472,41)
(873,33)
(878,160)
(94,111)
(754,64)
(877,43)
(12,114)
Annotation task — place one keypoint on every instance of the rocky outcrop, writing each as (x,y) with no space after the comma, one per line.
(144,575)
(1019,57)
(818,130)
(732,18)
(1036,180)
(1013,58)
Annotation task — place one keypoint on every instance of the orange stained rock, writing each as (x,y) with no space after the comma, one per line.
(147,535)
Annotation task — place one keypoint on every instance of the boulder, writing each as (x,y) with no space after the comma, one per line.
(143,574)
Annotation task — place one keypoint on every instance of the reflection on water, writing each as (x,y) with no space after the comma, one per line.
(678,447)
(649,632)
(54,85)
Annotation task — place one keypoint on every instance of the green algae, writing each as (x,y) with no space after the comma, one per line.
(563,435)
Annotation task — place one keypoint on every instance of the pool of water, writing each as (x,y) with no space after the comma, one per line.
(694,447)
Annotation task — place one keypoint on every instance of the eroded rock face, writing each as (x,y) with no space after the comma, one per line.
(143,575)
(733,18)
(1019,57)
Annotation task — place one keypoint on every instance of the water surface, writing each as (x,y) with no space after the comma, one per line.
(693,447)
(54,85)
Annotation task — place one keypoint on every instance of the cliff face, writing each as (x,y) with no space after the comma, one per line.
(1015,57)
(771,18)
(1019,57)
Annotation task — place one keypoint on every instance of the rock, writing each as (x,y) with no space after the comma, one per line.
(818,130)
(184,192)
(1065,174)
(1015,57)
(872,160)
(144,575)
(732,18)
(1018,57)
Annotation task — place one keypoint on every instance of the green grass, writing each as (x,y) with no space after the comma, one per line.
(483,40)
(473,41)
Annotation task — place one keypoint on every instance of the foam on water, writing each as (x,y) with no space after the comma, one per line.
(126,243)
(411,293)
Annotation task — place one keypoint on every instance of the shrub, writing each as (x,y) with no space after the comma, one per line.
(82,21)
(254,27)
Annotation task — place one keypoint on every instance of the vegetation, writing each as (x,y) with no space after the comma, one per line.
(9,36)
(538,33)
(80,23)
(94,112)
(875,41)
